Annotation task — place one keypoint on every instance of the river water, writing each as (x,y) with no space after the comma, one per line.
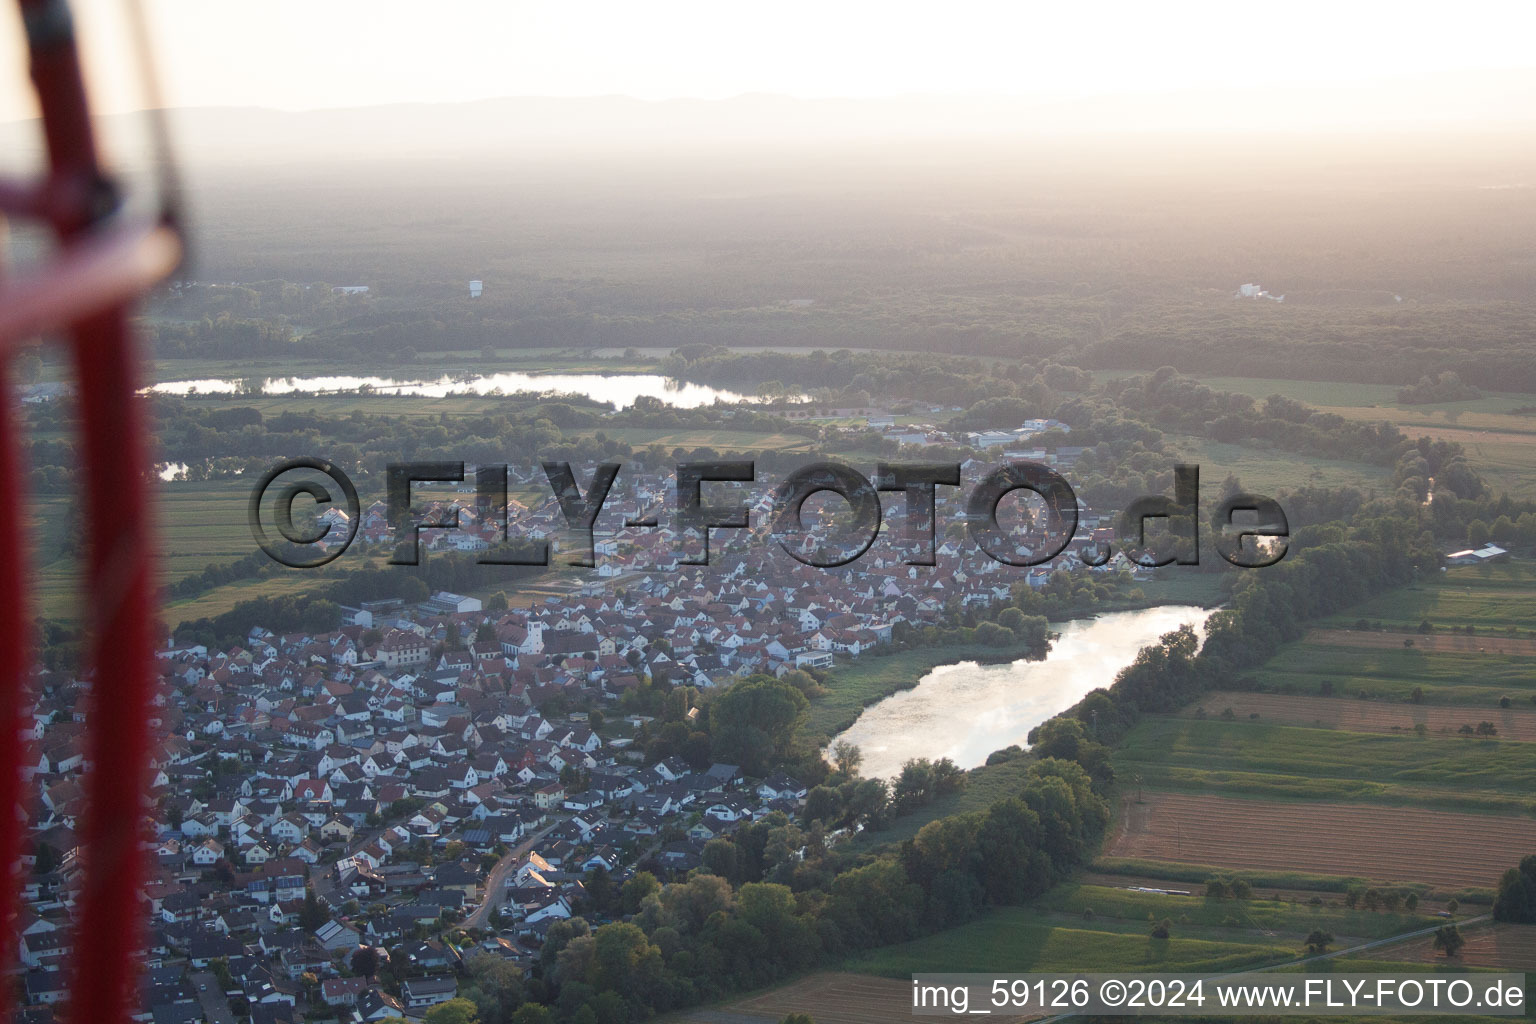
(620,389)
(965,711)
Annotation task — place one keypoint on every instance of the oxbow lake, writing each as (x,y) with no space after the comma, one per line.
(966,711)
(619,389)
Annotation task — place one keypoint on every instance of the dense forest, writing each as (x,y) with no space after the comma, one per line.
(1396,265)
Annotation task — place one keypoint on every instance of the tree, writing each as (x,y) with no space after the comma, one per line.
(719,857)
(530,1013)
(495,986)
(454,1011)
(312,915)
(797,1018)
(365,962)
(1448,940)
(870,802)
(754,722)
(634,892)
(822,803)
(1516,897)
(1318,941)
(600,890)
(847,758)
(47,859)
(1162,929)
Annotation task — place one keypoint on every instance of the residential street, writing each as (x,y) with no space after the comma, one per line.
(495,882)
(211,995)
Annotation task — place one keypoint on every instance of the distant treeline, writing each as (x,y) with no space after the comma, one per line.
(1483,345)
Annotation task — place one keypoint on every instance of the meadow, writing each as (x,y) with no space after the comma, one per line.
(1270,471)
(1015,940)
(1312,763)
(1498,429)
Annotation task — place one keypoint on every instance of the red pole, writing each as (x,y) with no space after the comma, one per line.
(112,918)
(13,682)
(112,914)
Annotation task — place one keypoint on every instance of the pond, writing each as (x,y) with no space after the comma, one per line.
(965,711)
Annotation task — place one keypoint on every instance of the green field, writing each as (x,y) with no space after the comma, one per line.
(1495,599)
(1500,442)
(1253,758)
(1476,680)
(1490,598)
(1256,919)
(1246,756)
(1016,940)
(1269,471)
(719,440)
(198,523)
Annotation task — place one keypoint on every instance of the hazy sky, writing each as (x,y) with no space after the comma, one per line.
(302,54)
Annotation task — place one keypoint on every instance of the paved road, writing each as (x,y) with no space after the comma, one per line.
(495,882)
(211,995)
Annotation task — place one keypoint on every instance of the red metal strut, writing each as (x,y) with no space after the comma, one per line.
(104,264)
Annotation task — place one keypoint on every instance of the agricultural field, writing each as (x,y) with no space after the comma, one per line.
(199,523)
(1508,947)
(1270,471)
(1258,758)
(1380,844)
(1497,430)
(1490,598)
(1259,919)
(1016,939)
(1364,716)
(831,997)
(1447,666)
(719,440)
(202,523)
(1458,643)
(1348,754)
